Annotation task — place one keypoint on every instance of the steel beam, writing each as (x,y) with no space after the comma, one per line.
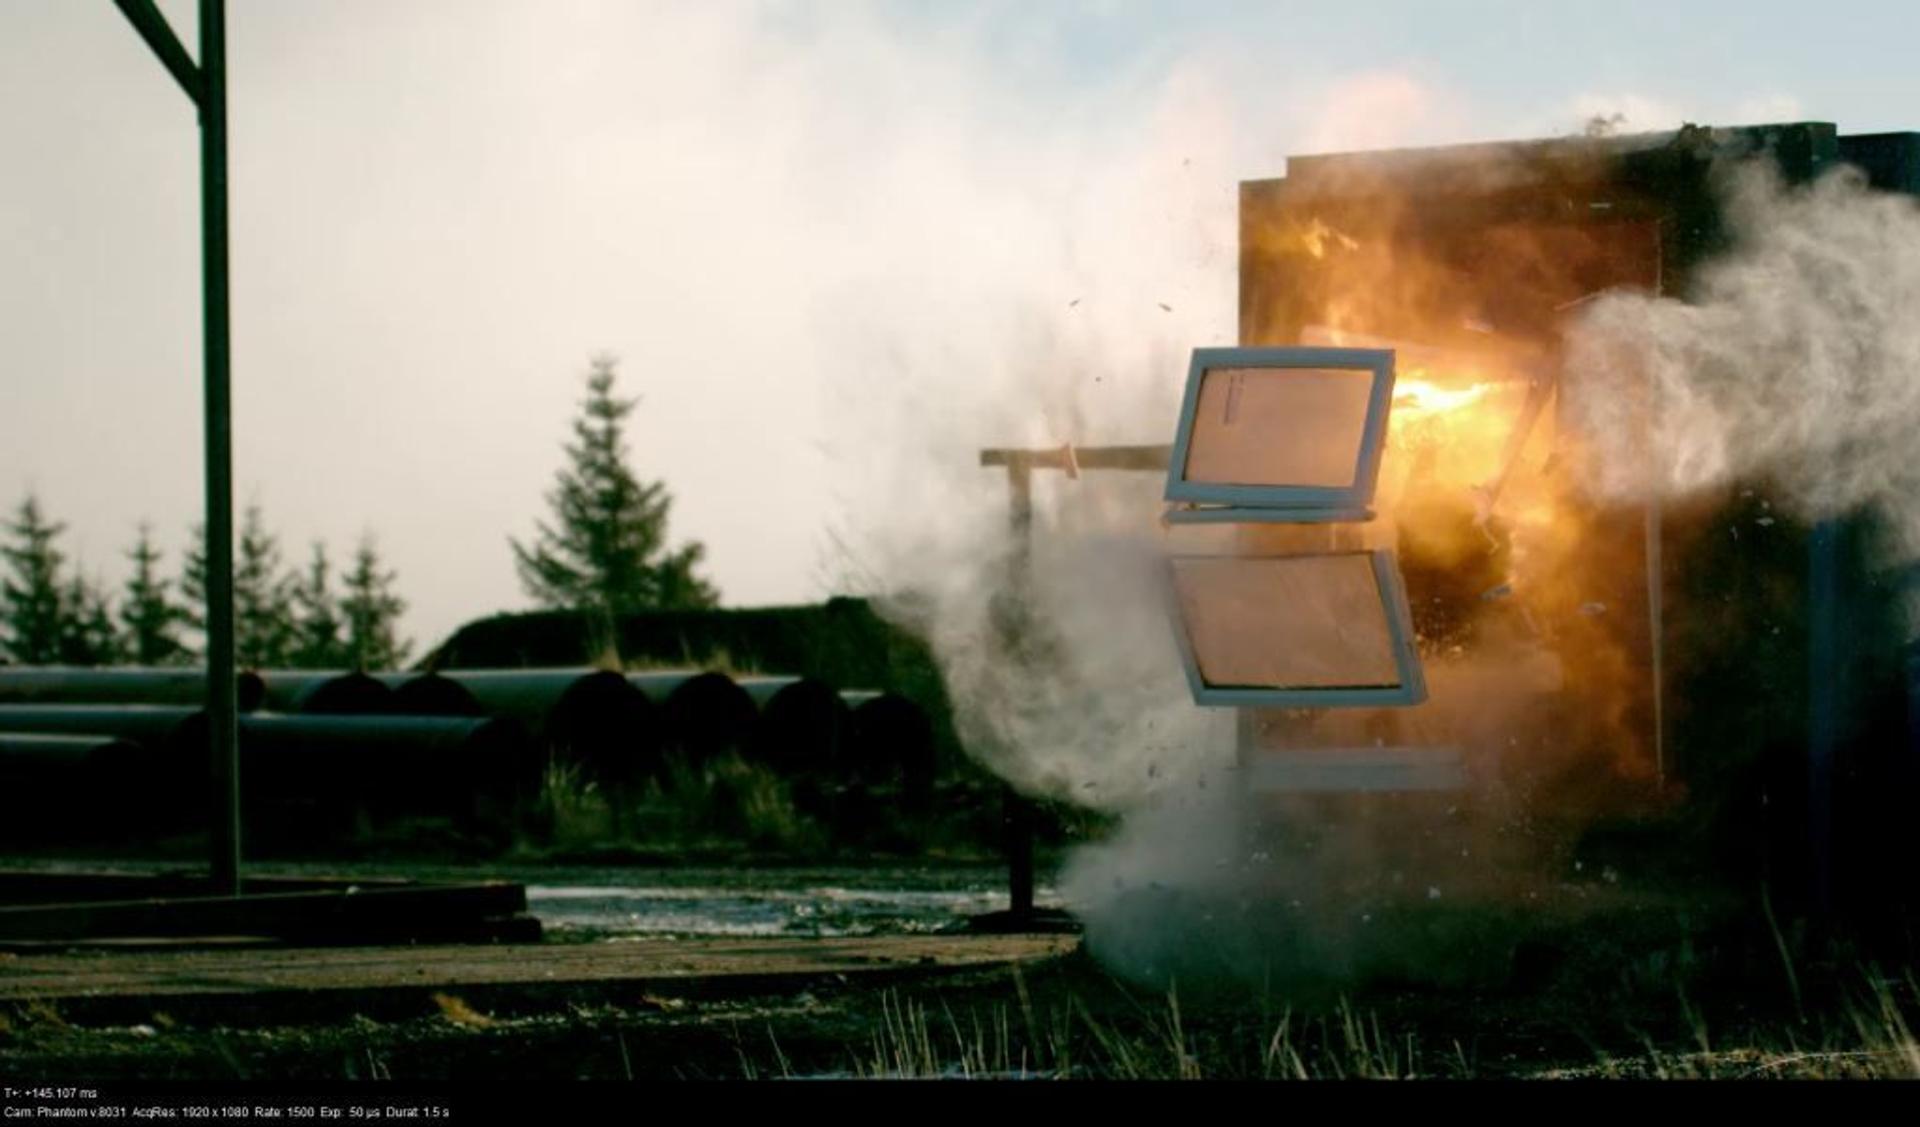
(152,26)
(223,723)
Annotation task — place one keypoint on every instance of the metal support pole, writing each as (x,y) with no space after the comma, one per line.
(1656,635)
(1018,813)
(223,722)
(1017,818)
(205,85)
(1824,674)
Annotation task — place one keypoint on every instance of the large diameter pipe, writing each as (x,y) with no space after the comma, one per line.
(30,751)
(63,787)
(703,714)
(891,744)
(802,723)
(474,770)
(429,694)
(66,684)
(592,718)
(158,788)
(325,693)
(161,728)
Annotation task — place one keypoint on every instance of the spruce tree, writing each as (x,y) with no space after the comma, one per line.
(263,622)
(149,618)
(31,601)
(193,586)
(87,636)
(317,643)
(371,612)
(606,550)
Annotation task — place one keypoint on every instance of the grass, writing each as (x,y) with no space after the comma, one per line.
(914,1041)
(732,805)
(1067,1019)
(709,661)
(726,801)
(1871,1037)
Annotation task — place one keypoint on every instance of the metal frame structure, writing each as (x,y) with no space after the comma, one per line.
(1235,514)
(1412,686)
(1350,498)
(205,84)
(1017,812)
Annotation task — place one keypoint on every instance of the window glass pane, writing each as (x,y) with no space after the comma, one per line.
(1279,426)
(1296,622)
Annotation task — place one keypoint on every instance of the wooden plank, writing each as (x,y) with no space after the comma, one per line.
(283,984)
(48,886)
(1145,458)
(369,911)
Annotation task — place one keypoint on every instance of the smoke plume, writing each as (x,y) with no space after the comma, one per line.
(1797,359)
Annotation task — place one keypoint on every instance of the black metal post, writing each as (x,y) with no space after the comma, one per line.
(205,85)
(1017,820)
(1824,674)
(222,706)
(1017,813)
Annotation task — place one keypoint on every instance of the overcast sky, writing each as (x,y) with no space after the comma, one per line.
(832,243)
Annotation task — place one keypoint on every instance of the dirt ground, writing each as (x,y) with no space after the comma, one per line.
(1614,985)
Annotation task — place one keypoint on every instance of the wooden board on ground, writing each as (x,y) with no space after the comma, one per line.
(78,907)
(253,985)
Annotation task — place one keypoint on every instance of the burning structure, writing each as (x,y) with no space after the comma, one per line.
(1714,662)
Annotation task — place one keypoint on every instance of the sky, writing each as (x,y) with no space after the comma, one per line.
(832,244)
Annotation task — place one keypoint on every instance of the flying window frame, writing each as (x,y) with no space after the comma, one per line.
(1350,500)
(1412,686)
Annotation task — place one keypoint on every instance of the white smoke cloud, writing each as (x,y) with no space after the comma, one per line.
(1797,359)
(1043,287)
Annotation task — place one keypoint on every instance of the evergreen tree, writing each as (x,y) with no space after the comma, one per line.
(606,550)
(87,636)
(263,622)
(30,595)
(372,612)
(193,586)
(317,643)
(149,618)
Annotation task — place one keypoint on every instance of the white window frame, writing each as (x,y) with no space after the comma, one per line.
(1349,501)
(1411,689)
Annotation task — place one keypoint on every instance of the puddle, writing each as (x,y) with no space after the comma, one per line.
(813,911)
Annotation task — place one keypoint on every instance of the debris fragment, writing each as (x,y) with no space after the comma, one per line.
(1165,307)
(456,1010)
(1764,522)
(1499,592)
(1591,609)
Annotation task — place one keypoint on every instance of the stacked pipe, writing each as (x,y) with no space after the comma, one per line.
(127,747)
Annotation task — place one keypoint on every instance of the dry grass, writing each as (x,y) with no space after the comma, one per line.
(714,661)
(1868,1035)
(912,1040)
